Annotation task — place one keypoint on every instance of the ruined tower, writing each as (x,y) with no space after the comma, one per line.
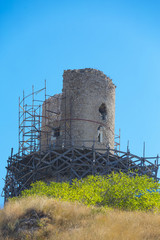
(86,110)
(65,136)
(88,107)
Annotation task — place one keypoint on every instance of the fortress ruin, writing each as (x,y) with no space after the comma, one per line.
(83,113)
(70,135)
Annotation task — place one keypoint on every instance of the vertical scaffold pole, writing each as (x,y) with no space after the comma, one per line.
(143,159)
(119,140)
(23,132)
(70,120)
(45,100)
(32,146)
(65,137)
(19,127)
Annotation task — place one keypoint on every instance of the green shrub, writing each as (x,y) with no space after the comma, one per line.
(117,190)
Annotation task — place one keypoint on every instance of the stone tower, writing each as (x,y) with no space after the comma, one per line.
(87,108)
(84,113)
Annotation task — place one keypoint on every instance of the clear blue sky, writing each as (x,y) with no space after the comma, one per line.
(41,38)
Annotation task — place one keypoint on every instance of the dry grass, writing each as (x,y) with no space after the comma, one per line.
(63,220)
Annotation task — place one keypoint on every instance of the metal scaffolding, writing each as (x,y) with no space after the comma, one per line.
(34,121)
(30,119)
(61,162)
(65,164)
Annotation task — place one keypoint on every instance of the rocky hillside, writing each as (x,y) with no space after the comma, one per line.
(46,218)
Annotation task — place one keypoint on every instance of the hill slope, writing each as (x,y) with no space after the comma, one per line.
(46,218)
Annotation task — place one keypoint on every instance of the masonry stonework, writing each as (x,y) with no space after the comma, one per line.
(85,91)
(51,116)
(87,109)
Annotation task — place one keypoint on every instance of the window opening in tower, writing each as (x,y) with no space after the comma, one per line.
(55,133)
(103,111)
(100,134)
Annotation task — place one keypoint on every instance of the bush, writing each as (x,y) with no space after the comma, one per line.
(117,190)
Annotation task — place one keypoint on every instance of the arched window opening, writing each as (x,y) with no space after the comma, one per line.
(103,111)
(100,134)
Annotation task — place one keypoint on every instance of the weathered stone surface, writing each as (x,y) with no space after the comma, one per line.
(51,116)
(86,92)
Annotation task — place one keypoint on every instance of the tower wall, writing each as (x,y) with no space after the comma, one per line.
(51,116)
(88,108)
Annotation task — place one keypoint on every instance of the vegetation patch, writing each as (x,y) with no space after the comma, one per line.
(117,190)
(96,207)
(39,218)
(65,220)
